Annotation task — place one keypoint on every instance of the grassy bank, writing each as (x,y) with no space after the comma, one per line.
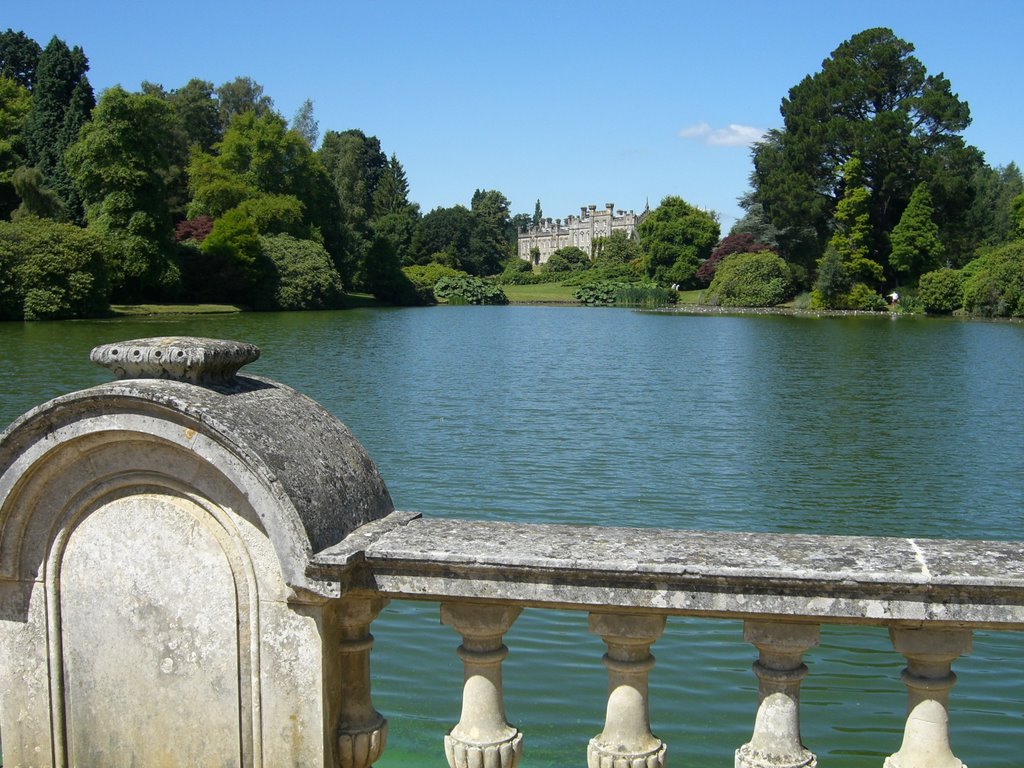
(145,310)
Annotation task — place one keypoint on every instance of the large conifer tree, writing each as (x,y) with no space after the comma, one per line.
(62,101)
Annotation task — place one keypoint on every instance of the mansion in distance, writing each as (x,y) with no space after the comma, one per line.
(581,231)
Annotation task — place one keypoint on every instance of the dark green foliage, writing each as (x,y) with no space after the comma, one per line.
(994,282)
(235,256)
(444,230)
(51,271)
(304,274)
(568,259)
(62,101)
(942,291)
(469,290)
(121,165)
(760,279)
(384,278)
(872,99)
(990,220)
(916,247)
(492,240)
(538,214)
(676,237)
(198,111)
(597,294)
(19,57)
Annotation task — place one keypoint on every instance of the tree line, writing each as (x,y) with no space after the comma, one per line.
(204,193)
(208,193)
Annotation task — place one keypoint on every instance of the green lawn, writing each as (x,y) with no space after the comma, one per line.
(172,309)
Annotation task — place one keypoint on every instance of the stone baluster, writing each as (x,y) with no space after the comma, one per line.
(362,731)
(928,677)
(627,741)
(482,738)
(779,669)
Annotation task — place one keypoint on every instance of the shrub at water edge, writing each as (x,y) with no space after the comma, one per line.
(994,282)
(469,290)
(941,291)
(52,271)
(760,279)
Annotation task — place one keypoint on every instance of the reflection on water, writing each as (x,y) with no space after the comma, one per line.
(906,427)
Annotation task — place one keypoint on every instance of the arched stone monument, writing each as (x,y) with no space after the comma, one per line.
(154,538)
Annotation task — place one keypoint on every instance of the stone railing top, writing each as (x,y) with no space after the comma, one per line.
(828,578)
(180,358)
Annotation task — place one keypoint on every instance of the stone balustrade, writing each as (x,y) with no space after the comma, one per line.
(189,552)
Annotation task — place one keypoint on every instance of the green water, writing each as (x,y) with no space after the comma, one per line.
(906,427)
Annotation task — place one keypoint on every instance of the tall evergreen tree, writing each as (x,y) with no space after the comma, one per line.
(62,101)
(538,214)
(392,192)
(916,247)
(853,236)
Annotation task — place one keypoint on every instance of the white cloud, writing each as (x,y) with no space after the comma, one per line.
(733,135)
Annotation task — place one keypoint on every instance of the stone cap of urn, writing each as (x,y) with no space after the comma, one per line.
(181,417)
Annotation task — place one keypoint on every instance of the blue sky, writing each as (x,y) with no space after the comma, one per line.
(574,103)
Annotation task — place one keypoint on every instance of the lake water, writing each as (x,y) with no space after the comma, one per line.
(866,425)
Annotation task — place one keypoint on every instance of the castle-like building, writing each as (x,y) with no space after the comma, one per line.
(581,231)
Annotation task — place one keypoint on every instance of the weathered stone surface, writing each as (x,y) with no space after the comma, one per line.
(832,578)
(182,358)
(314,481)
(155,534)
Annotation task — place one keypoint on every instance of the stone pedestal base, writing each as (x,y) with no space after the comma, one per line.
(599,756)
(500,754)
(748,757)
(357,749)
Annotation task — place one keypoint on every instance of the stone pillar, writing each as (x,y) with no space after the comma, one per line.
(362,732)
(482,738)
(779,669)
(627,741)
(928,678)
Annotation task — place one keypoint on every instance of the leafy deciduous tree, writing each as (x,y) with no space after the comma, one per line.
(19,57)
(241,95)
(676,237)
(121,165)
